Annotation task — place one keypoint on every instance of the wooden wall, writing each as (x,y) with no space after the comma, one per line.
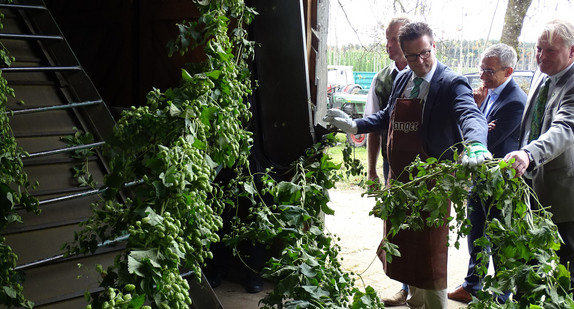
(122,44)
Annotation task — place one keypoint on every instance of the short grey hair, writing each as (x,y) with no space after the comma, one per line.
(562,28)
(403,20)
(505,54)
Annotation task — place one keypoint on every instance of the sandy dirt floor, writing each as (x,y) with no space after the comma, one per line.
(360,235)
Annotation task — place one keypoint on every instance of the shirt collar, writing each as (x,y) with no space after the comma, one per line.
(428,77)
(554,78)
(494,93)
(395,68)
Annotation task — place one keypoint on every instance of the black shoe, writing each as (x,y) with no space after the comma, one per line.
(216,277)
(254,283)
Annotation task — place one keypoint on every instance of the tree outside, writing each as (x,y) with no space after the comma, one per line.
(462,29)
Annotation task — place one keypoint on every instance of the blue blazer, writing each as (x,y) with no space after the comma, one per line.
(450,114)
(507,111)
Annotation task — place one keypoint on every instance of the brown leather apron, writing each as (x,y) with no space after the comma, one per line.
(423,261)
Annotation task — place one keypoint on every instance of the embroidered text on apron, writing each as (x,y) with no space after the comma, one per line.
(423,261)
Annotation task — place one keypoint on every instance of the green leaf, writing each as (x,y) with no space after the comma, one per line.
(186,76)
(307,270)
(203,2)
(288,192)
(327,210)
(248,187)
(137,301)
(208,114)
(293,215)
(174,111)
(135,266)
(139,259)
(154,218)
(199,144)
(10,291)
(210,162)
(563,276)
(214,74)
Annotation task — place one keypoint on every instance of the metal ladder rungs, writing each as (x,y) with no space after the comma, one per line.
(44,134)
(62,150)
(39,262)
(70,196)
(51,108)
(31,162)
(23,7)
(32,83)
(59,257)
(84,194)
(40,69)
(39,227)
(16,36)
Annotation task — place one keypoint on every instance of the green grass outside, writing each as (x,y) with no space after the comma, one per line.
(360,153)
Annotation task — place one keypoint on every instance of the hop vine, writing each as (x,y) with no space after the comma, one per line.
(172,149)
(525,236)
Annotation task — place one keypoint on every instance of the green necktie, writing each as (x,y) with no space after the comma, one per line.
(415,92)
(539,111)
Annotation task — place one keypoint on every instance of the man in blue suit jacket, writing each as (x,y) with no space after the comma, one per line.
(430,106)
(503,109)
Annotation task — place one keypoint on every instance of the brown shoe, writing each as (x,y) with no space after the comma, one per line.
(399,299)
(460,294)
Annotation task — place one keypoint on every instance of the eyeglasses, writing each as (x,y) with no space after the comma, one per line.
(489,72)
(424,55)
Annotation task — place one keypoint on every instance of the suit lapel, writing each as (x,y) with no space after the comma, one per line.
(503,94)
(433,92)
(559,85)
(484,104)
(552,97)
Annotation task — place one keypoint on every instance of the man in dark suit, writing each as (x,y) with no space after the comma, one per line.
(546,155)
(429,108)
(502,102)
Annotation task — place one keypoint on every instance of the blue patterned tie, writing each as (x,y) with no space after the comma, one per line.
(539,111)
(415,92)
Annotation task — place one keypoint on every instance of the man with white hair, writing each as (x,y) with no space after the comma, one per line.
(546,154)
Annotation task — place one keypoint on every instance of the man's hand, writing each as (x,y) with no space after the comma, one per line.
(341,120)
(374,141)
(521,161)
(492,125)
(480,94)
(475,154)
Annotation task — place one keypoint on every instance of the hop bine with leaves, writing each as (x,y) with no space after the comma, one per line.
(525,236)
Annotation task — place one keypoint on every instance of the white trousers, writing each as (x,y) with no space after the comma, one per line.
(426,299)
